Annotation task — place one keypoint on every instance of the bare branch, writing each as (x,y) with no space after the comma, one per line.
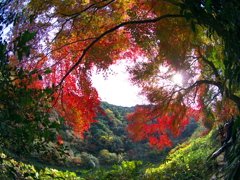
(200,82)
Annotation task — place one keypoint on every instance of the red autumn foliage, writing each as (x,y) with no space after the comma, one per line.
(148,122)
(99,33)
(60,139)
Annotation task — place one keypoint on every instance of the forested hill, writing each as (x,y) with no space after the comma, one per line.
(107,146)
(107,141)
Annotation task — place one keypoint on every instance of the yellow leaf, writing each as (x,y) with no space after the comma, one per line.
(85,2)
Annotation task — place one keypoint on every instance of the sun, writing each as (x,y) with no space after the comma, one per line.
(177,79)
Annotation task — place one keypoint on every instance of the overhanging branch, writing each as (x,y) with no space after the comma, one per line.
(226,92)
(112,30)
(200,82)
(210,64)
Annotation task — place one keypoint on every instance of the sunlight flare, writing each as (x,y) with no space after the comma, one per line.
(177,79)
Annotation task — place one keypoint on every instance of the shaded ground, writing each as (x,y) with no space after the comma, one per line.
(220,164)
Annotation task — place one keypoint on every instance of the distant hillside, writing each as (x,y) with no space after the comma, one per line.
(107,140)
(105,144)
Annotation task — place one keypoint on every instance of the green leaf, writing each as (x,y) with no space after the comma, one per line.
(46,134)
(54,125)
(27,36)
(20,55)
(28,100)
(2,51)
(183,6)
(208,6)
(48,91)
(21,46)
(31,18)
(26,50)
(193,26)
(20,72)
(39,77)
(48,71)
(17,118)
(188,16)
(37,168)
(30,80)
(33,71)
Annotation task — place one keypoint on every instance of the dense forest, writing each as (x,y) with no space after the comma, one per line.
(104,146)
(108,140)
(107,143)
(183,55)
(107,152)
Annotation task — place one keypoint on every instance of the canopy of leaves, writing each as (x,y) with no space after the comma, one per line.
(57,44)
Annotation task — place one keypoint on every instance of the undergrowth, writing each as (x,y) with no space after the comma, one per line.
(186,161)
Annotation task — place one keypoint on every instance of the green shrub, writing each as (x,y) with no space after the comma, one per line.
(11,169)
(109,158)
(89,161)
(128,170)
(187,161)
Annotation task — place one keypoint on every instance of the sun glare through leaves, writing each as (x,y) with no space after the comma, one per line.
(177,79)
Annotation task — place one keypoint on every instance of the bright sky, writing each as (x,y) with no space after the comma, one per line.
(117,89)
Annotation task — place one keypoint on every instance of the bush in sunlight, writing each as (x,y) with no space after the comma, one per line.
(187,161)
(11,169)
(129,170)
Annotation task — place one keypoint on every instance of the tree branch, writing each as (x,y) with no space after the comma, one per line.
(112,30)
(72,16)
(226,92)
(200,82)
(210,64)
